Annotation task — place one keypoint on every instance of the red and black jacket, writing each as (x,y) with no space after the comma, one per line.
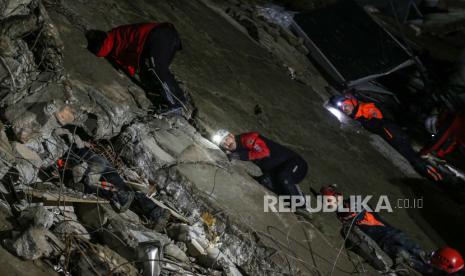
(451,136)
(370,223)
(125,44)
(265,153)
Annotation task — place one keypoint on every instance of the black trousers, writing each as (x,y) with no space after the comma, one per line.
(283,179)
(160,47)
(98,164)
(400,141)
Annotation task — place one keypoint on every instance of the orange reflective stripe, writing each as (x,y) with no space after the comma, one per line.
(388,133)
(60,163)
(370,220)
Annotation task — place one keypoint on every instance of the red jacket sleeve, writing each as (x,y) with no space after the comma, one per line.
(256,147)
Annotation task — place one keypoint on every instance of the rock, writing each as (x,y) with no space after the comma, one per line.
(127,234)
(38,217)
(65,116)
(70,227)
(26,153)
(7,49)
(7,157)
(31,245)
(13,7)
(21,70)
(173,251)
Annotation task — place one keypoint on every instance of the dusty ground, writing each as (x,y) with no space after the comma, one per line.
(228,74)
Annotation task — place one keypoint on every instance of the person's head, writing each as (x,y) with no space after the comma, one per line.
(331,196)
(447,259)
(95,40)
(225,140)
(348,106)
(345,103)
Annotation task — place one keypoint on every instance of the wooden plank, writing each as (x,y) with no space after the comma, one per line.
(51,198)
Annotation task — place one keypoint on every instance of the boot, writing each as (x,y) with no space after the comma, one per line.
(121,200)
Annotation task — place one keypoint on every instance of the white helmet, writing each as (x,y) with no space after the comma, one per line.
(219,136)
(431,124)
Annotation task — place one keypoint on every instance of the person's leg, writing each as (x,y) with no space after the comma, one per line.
(402,249)
(159,50)
(102,179)
(362,245)
(400,141)
(288,175)
(144,206)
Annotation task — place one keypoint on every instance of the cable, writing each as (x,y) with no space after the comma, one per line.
(344,242)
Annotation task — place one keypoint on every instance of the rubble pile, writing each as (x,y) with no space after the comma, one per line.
(45,111)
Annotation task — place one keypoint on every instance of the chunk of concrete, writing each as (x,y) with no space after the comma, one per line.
(31,245)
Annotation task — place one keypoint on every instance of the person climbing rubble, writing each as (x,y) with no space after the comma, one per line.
(361,229)
(147,49)
(372,119)
(82,165)
(282,169)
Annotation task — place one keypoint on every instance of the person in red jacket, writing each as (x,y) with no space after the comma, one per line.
(448,133)
(282,168)
(372,119)
(360,224)
(147,49)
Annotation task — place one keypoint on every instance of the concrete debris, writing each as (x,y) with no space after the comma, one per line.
(39,217)
(31,245)
(70,227)
(13,7)
(95,259)
(173,251)
(198,225)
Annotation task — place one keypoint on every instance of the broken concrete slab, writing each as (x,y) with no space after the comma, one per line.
(173,251)
(30,245)
(39,217)
(122,232)
(13,7)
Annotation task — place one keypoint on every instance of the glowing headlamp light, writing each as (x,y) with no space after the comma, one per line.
(219,136)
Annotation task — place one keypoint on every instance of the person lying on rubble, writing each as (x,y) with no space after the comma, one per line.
(81,165)
(372,119)
(361,229)
(147,49)
(282,169)
(448,135)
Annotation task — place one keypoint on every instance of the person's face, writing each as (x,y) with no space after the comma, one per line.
(229,143)
(347,108)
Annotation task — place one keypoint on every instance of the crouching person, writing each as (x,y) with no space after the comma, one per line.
(282,169)
(363,229)
(99,177)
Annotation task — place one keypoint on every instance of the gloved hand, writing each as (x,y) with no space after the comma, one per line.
(233,155)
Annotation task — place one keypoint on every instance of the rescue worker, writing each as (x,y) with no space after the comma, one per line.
(282,169)
(372,119)
(395,243)
(448,134)
(101,178)
(147,49)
